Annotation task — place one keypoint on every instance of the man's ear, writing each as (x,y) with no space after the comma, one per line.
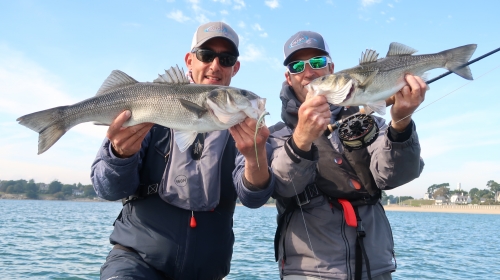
(236,68)
(288,79)
(188,59)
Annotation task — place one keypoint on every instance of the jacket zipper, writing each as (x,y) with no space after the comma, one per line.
(347,247)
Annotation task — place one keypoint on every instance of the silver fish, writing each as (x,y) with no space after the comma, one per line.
(374,80)
(170,100)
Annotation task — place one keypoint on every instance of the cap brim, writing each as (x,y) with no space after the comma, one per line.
(288,58)
(235,48)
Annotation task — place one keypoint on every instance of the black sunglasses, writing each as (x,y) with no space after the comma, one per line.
(207,56)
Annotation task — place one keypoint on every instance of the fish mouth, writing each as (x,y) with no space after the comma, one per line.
(351,92)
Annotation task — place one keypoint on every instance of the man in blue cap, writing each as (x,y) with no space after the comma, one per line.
(177,219)
(331,223)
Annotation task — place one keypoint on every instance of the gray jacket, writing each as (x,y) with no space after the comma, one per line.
(326,248)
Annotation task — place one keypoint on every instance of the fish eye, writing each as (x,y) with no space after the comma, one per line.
(244,93)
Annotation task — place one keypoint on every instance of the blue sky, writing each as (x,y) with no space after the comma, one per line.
(56,53)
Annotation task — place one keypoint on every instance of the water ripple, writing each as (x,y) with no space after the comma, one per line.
(70,240)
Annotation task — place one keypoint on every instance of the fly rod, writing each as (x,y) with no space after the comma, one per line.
(466,64)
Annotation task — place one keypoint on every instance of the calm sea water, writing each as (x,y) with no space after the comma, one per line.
(69,240)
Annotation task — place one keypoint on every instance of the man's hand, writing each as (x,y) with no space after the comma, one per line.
(243,134)
(406,101)
(126,141)
(314,116)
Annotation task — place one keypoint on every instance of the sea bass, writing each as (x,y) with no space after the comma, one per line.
(170,100)
(374,80)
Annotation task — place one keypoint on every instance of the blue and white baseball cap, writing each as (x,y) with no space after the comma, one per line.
(304,40)
(212,30)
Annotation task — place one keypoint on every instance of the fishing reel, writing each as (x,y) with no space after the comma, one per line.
(356,131)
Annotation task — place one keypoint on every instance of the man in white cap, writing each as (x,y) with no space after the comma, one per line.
(331,224)
(177,218)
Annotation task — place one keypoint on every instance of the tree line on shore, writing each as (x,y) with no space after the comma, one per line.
(55,189)
(58,190)
(476,195)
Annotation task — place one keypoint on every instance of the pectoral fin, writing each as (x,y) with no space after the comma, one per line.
(184,139)
(369,80)
(193,107)
(378,107)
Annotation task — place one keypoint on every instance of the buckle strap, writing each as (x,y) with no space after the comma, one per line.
(349,214)
(311,191)
(142,192)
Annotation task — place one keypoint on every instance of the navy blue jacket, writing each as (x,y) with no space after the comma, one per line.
(160,232)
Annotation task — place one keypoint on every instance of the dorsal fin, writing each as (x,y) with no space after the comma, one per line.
(400,49)
(172,76)
(368,56)
(116,79)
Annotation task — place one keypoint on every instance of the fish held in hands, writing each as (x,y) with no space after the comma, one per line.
(170,101)
(374,80)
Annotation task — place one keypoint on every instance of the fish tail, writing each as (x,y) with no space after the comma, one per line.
(457,57)
(50,125)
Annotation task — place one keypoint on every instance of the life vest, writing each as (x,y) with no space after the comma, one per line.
(345,179)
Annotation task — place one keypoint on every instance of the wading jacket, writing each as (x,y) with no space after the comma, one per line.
(157,226)
(326,248)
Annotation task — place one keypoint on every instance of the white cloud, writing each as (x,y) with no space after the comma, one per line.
(257,27)
(223,1)
(263,35)
(239,4)
(25,86)
(132,24)
(391,19)
(224,12)
(390,5)
(170,1)
(273,4)
(241,24)
(201,18)
(366,3)
(177,15)
(361,17)
(251,53)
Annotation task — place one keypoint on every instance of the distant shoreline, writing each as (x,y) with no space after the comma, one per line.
(465,209)
(49,198)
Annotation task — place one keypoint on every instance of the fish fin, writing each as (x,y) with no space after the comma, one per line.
(184,139)
(377,107)
(458,57)
(115,80)
(49,124)
(368,56)
(369,80)
(397,49)
(173,76)
(193,107)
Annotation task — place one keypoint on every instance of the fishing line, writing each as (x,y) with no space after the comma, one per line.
(420,109)
(305,226)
